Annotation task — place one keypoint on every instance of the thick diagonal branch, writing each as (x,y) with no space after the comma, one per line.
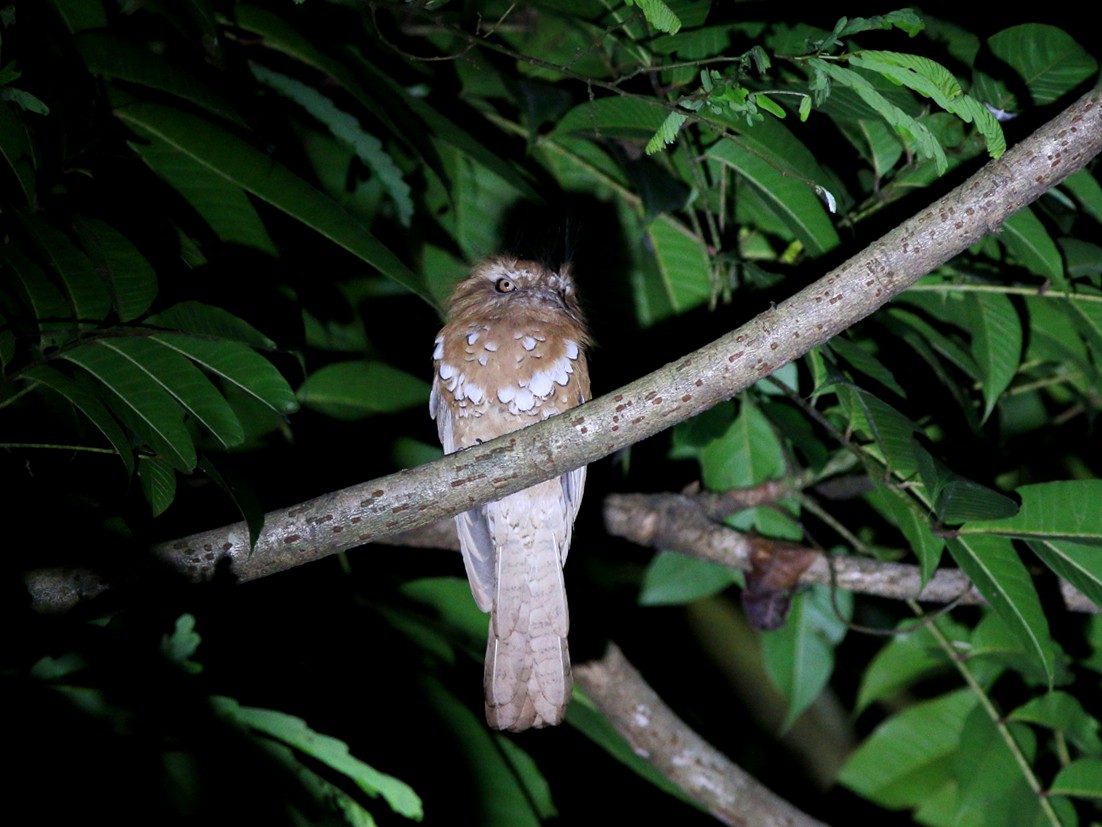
(686,387)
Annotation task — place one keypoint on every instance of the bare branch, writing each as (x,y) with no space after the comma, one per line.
(679,753)
(675,522)
(678,522)
(365,513)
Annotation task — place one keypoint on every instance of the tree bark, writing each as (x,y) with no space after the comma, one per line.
(676,522)
(658,735)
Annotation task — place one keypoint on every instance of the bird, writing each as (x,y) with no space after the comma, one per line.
(512,352)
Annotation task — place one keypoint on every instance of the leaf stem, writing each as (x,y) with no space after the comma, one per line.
(51,446)
(1007,290)
(20,393)
(996,718)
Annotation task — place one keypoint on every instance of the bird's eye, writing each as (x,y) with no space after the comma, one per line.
(505,285)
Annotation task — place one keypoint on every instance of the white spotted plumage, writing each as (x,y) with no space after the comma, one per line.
(511,354)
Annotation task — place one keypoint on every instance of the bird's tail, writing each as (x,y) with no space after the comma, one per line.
(528,679)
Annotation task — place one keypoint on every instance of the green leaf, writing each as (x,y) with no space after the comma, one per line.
(929,336)
(130,278)
(1078,563)
(15,148)
(805,108)
(990,784)
(321,789)
(912,519)
(80,14)
(866,363)
(109,56)
(909,757)
(1082,259)
(1000,576)
(1063,713)
(501,794)
(904,19)
(158,481)
(1049,60)
(352,390)
(1029,244)
(405,115)
(912,131)
(49,310)
(693,42)
(775,142)
(180,646)
(88,404)
(748,452)
(228,157)
(800,655)
(86,293)
(185,382)
(385,99)
(1080,779)
(956,498)
(996,344)
(907,658)
(149,408)
(208,321)
(8,73)
(1063,510)
(222,204)
(927,77)
(1051,337)
(682,265)
(474,149)
(672,579)
(995,645)
(667,132)
(243,496)
(970,110)
(890,430)
(481,200)
(329,751)
(618,117)
(658,14)
(451,598)
(409,453)
(346,127)
(1084,186)
(1086,317)
(25,100)
(239,366)
(768,104)
(791,199)
(7,343)
(934,81)
(534,782)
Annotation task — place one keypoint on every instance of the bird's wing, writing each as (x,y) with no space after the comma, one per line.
(472,526)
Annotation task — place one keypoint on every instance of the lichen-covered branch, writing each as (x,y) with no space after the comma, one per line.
(687,386)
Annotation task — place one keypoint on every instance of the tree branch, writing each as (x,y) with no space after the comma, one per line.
(679,753)
(678,522)
(368,512)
